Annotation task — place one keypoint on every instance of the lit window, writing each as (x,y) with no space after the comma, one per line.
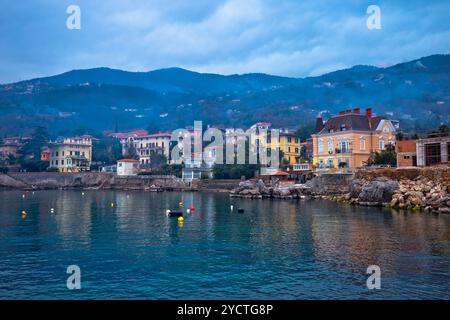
(382,144)
(320,146)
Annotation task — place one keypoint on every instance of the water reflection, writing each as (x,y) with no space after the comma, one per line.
(275,249)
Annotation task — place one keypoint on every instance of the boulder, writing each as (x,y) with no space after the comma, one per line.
(378,191)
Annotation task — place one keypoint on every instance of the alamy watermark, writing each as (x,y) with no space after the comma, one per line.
(374,280)
(257,145)
(73,21)
(74,280)
(373,22)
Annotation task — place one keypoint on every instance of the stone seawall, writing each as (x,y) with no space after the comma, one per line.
(412,189)
(106,180)
(329,184)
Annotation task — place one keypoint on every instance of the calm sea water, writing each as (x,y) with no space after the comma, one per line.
(299,249)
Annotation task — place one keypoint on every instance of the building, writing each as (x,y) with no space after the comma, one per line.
(147,145)
(45,154)
(433,150)
(406,153)
(349,138)
(289,145)
(10,147)
(71,154)
(307,146)
(127,167)
(141,144)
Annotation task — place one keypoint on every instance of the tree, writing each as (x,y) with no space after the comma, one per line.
(107,150)
(305,132)
(39,139)
(385,157)
(30,154)
(443,128)
(235,171)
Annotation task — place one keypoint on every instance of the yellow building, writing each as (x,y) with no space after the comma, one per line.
(289,145)
(349,138)
(71,154)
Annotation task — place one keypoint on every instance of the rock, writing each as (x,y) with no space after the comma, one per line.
(444,210)
(378,191)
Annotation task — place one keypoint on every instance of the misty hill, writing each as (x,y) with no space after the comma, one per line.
(415,92)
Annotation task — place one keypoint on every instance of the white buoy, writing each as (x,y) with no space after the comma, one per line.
(167,212)
(188,210)
(52,210)
(231,207)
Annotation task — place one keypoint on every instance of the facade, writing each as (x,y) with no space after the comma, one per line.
(45,154)
(147,145)
(10,146)
(127,167)
(288,143)
(406,153)
(348,139)
(71,154)
(141,144)
(433,150)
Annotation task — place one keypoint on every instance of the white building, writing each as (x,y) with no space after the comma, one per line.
(127,167)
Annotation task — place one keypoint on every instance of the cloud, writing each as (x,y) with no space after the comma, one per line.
(290,37)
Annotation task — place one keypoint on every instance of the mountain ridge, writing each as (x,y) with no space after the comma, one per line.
(416,92)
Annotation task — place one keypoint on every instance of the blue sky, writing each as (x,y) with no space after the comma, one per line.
(291,38)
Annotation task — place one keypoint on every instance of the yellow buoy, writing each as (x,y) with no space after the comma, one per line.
(180,219)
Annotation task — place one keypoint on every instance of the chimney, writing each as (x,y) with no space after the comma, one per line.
(369,113)
(357,110)
(319,123)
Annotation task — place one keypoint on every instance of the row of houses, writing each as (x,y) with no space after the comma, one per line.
(345,140)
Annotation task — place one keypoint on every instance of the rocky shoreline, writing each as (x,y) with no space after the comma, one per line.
(108,181)
(419,193)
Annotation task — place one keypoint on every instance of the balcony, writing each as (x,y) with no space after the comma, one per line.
(343,151)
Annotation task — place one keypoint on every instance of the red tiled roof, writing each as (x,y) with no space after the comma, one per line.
(127,160)
(156,135)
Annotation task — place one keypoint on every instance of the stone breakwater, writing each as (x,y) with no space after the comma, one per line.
(425,189)
(105,180)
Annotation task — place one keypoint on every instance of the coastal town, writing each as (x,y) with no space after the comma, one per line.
(350,140)
(342,158)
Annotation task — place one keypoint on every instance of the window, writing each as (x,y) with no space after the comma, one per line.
(289,139)
(382,144)
(330,145)
(386,129)
(344,146)
(362,144)
(320,146)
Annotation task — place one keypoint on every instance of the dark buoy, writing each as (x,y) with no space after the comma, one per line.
(240,210)
(175,214)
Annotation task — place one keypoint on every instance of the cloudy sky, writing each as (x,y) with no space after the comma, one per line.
(282,37)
